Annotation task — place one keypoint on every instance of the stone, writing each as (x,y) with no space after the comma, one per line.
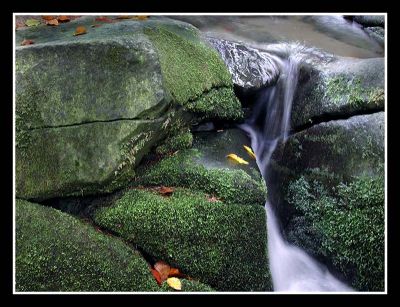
(370,20)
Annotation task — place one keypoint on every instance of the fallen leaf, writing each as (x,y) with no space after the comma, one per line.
(80,30)
(32,22)
(174,272)
(141,17)
(157,276)
(125,17)
(48,17)
(63,18)
(165,191)
(213,199)
(162,268)
(53,22)
(104,19)
(236,159)
(174,283)
(250,151)
(27,42)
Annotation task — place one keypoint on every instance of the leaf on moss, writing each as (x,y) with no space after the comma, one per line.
(27,42)
(104,19)
(163,269)
(165,191)
(32,22)
(249,151)
(174,283)
(213,199)
(80,30)
(52,22)
(63,18)
(156,276)
(236,159)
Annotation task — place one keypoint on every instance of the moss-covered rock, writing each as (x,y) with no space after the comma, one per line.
(328,184)
(89,107)
(57,252)
(221,244)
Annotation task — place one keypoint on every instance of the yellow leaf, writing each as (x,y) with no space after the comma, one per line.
(249,151)
(237,159)
(80,30)
(174,283)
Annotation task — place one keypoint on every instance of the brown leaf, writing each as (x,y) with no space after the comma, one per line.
(141,17)
(213,199)
(125,17)
(157,276)
(27,42)
(53,22)
(48,17)
(80,30)
(104,19)
(166,191)
(174,272)
(63,18)
(162,268)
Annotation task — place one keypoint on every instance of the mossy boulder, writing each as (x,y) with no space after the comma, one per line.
(57,252)
(88,107)
(339,87)
(221,244)
(328,186)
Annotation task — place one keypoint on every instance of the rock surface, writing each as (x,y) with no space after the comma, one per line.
(370,20)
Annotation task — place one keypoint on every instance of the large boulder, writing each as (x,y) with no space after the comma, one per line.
(339,87)
(220,243)
(88,107)
(57,252)
(327,183)
(370,20)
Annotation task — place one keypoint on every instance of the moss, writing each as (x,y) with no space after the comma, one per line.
(181,170)
(345,225)
(188,286)
(223,245)
(57,252)
(181,140)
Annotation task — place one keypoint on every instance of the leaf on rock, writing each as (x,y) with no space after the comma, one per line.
(27,42)
(174,283)
(48,17)
(165,191)
(53,22)
(162,268)
(63,18)
(236,159)
(32,22)
(156,276)
(80,30)
(125,17)
(249,151)
(141,17)
(104,19)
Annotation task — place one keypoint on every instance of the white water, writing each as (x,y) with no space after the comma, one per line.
(292,269)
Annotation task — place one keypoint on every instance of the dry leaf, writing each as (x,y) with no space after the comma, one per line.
(27,42)
(236,159)
(157,276)
(213,199)
(53,22)
(104,19)
(141,17)
(80,30)
(63,18)
(162,268)
(32,22)
(48,17)
(174,283)
(250,151)
(125,17)
(174,272)
(166,191)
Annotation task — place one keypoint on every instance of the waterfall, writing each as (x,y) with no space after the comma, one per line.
(292,269)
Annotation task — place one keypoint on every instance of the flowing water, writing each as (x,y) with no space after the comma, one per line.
(291,268)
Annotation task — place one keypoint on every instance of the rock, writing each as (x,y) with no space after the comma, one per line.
(341,87)
(57,252)
(377,33)
(330,177)
(220,243)
(370,20)
(206,168)
(88,107)
(250,68)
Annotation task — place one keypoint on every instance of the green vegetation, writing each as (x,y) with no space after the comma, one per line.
(223,245)
(181,140)
(181,170)
(345,225)
(57,252)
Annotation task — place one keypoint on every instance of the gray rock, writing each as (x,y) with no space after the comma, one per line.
(377,33)
(370,20)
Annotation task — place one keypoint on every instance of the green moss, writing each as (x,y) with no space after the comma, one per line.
(57,252)
(181,140)
(223,245)
(181,170)
(345,225)
(188,286)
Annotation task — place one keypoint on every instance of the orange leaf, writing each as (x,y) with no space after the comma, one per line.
(125,17)
(162,268)
(80,30)
(27,42)
(157,276)
(166,191)
(48,17)
(63,18)
(104,19)
(174,272)
(53,22)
